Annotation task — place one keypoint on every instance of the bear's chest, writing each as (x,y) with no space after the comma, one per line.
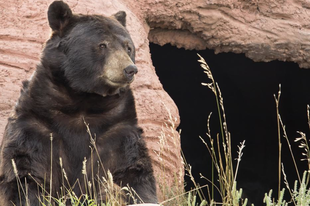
(75,137)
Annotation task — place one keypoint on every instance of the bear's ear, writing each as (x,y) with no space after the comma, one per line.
(121,17)
(58,15)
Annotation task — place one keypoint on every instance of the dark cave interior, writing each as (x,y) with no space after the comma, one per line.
(248,90)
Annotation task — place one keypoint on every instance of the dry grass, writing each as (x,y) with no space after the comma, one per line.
(220,150)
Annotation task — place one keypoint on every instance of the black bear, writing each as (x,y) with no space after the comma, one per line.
(82,81)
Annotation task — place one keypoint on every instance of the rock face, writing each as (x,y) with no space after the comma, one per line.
(264,30)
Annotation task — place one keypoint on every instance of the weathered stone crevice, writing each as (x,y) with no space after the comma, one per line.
(178,38)
(263,31)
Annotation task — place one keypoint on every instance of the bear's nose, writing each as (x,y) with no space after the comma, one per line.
(130,71)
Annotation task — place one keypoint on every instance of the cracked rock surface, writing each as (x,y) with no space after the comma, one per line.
(264,30)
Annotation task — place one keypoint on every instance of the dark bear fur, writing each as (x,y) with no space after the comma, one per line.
(83,76)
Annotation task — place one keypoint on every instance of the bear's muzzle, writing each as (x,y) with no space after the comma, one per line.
(130,71)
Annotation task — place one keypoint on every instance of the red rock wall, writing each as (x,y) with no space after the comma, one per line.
(264,30)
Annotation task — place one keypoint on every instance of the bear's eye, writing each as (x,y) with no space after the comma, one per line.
(103,46)
(129,50)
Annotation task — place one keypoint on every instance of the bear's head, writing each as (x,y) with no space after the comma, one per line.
(93,53)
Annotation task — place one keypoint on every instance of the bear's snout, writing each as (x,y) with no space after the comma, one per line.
(130,71)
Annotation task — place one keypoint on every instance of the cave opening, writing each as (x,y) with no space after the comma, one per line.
(248,90)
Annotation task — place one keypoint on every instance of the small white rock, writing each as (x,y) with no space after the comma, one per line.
(145,205)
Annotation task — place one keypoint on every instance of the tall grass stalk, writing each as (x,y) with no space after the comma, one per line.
(171,190)
(299,196)
(212,87)
(220,148)
(290,147)
(277,100)
(287,185)
(51,173)
(19,183)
